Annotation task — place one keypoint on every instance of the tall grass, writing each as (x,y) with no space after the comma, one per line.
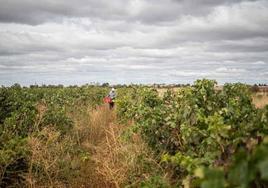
(93,154)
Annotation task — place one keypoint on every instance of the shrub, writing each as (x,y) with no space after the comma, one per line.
(197,126)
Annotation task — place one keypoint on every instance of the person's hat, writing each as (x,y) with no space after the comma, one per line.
(113,89)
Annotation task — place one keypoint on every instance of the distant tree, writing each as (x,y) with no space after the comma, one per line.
(16,86)
(105,85)
(255,88)
(34,86)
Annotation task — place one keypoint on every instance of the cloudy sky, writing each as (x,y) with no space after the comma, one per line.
(133,41)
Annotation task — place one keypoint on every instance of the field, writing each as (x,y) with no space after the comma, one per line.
(260,99)
(195,136)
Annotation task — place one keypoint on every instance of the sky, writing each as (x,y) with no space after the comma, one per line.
(76,42)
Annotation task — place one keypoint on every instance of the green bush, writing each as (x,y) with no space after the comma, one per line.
(196,126)
(56,117)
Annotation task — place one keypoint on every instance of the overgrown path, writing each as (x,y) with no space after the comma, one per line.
(100,136)
(113,158)
(97,133)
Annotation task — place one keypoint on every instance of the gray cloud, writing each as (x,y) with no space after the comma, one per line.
(35,12)
(140,41)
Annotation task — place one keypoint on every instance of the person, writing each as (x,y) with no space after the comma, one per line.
(112,95)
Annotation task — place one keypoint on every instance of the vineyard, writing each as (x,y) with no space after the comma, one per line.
(196,136)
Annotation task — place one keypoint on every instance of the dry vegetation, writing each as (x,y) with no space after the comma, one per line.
(260,99)
(113,156)
(111,159)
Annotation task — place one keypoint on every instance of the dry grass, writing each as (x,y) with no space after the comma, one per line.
(260,99)
(112,159)
(93,154)
(90,132)
(60,161)
(116,159)
(48,150)
(161,91)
